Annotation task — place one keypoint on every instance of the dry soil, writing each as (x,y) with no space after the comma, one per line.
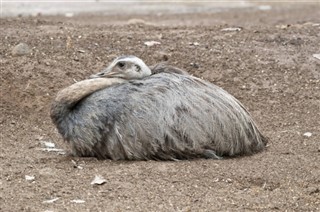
(268,65)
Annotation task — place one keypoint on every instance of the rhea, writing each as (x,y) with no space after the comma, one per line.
(127,113)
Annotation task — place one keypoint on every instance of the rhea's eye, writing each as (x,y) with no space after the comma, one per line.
(121,64)
(138,69)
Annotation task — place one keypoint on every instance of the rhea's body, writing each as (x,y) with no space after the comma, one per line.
(166,116)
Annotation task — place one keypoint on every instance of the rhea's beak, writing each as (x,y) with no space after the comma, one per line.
(106,74)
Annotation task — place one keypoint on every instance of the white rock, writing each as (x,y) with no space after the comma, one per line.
(78,201)
(50,147)
(316,56)
(29,177)
(53,150)
(194,44)
(48,144)
(98,180)
(307,134)
(231,29)
(50,200)
(75,165)
(151,43)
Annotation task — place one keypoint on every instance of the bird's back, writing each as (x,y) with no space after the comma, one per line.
(164,116)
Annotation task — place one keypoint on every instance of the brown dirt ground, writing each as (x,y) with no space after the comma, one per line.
(268,66)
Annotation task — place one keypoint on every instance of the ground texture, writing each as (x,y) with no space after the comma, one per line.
(268,65)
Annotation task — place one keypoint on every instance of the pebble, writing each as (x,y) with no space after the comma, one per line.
(48,144)
(21,49)
(231,29)
(78,201)
(194,44)
(194,65)
(151,43)
(307,134)
(29,177)
(98,180)
(51,200)
(316,56)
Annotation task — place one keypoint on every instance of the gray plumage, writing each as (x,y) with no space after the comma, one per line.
(166,116)
(165,68)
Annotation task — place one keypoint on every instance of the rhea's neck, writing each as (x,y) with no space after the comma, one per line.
(80,90)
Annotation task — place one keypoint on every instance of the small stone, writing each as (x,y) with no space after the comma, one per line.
(58,151)
(151,43)
(29,178)
(98,180)
(75,165)
(50,200)
(48,144)
(228,180)
(78,201)
(283,26)
(231,29)
(194,44)
(21,49)
(307,134)
(316,56)
(194,65)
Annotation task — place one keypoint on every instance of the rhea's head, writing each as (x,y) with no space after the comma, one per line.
(125,67)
